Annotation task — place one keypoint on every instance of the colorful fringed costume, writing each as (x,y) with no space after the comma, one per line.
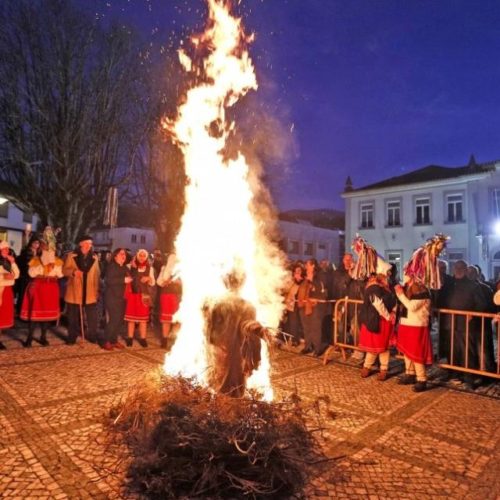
(366,263)
(423,265)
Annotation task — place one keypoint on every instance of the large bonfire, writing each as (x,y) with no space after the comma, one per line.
(221,232)
(187,438)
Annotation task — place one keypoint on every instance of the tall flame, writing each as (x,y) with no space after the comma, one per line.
(220,230)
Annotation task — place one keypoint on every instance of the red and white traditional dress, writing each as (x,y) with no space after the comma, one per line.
(41,299)
(7,295)
(137,294)
(171,291)
(376,326)
(414,339)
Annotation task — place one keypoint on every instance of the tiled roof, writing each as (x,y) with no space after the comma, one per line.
(430,173)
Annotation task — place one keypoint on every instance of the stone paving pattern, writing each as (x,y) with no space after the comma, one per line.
(385,441)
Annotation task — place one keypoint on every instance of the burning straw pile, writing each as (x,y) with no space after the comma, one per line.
(189,443)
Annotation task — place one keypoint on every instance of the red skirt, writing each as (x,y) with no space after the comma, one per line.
(375,342)
(169,305)
(415,343)
(41,300)
(136,310)
(7,308)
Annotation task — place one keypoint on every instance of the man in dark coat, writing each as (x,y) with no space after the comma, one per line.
(460,294)
(346,286)
(342,277)
(483,347)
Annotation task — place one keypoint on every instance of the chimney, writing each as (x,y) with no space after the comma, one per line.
(472,162)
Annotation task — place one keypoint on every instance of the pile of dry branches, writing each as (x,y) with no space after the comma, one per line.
(189,443)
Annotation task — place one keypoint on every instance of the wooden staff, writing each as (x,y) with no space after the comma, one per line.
(82,324)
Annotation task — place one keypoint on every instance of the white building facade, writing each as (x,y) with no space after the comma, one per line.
(398,215)
(301,240)
(15,224)
(132,238)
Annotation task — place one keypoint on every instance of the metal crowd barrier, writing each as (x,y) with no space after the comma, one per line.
(470,347)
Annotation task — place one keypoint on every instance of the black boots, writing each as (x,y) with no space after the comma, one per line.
(407,379)
(43,337)
(29,338)
(420,386)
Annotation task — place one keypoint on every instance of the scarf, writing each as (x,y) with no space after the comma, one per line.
(137,285)
(84,262)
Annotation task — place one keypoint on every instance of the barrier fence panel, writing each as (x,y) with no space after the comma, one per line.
(468,341)
(345,327)
(472,339)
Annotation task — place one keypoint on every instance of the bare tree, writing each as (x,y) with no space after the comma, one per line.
(157,180)
(68,111)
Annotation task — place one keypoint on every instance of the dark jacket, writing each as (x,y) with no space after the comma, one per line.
(462,295)
(368,315)
(115,283)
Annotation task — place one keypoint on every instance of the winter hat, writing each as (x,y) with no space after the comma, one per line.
(84,237)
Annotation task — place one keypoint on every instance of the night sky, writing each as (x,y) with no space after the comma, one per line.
(366,88)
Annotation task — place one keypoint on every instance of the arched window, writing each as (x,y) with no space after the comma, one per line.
(496,256)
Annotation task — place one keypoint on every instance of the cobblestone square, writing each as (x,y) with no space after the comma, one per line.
(385,440)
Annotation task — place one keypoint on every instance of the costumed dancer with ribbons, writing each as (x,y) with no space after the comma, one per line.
(9,272)
(414,339)
(41,298)
(376,314)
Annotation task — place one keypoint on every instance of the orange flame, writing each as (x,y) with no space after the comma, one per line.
(219,230)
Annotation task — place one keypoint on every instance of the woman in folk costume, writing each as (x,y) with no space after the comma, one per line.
(376,314)
(414,338)
(138,295)
(170,297)
(9,272)
(41,299)
(311,296)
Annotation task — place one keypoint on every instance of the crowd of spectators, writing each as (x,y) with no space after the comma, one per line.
(395,316)
(97,293)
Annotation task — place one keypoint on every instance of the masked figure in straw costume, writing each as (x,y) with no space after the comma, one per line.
(414,339)
(376,314)
(233,338)
(41,299)
(82,270)
(9,272)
